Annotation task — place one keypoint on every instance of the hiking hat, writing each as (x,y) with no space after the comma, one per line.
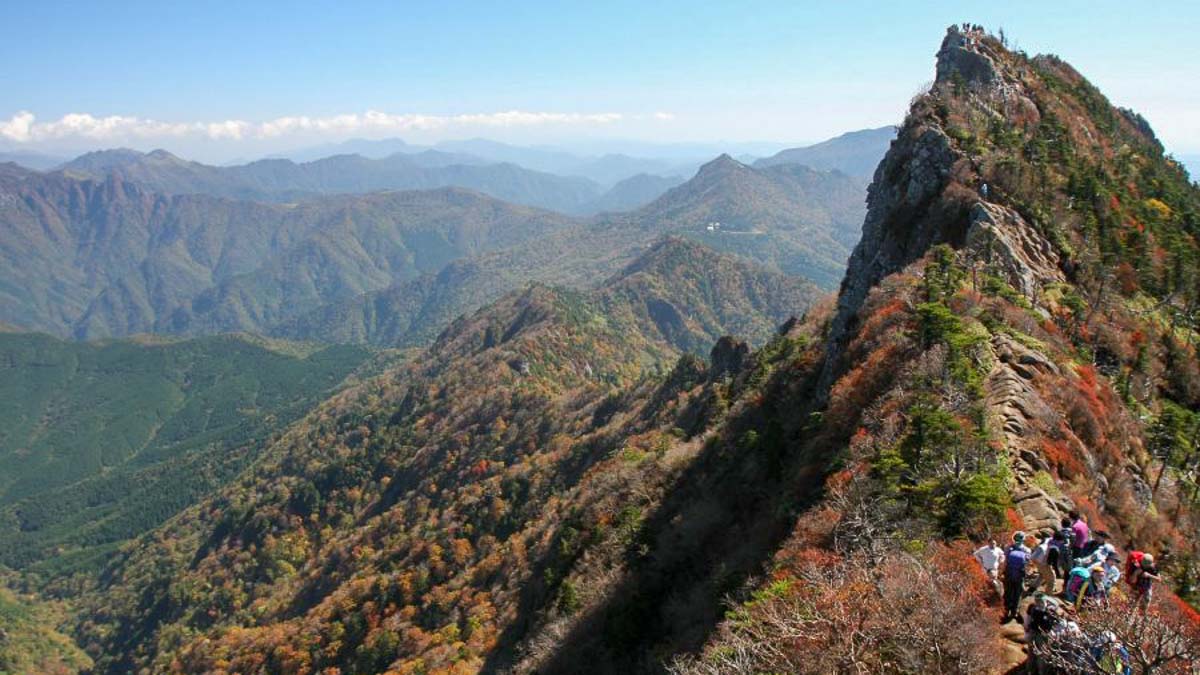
(1018,536)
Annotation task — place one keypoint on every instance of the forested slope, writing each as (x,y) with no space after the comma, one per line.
(554,488)
(100,442)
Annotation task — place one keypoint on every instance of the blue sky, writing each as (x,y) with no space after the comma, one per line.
(662,71)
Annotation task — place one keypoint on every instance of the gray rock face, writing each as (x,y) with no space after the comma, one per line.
(905,217)
(960,60)
(1018,409)
(1000,237)
(912,204)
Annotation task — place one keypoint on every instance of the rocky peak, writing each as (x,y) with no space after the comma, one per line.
(728,356)
(928,190)
(963,57)
(720,167)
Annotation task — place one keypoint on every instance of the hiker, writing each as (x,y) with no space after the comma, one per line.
(989,556)
(1065,534)
(1041,619)
(1041,557)
(1098,541)
(1016,561)
(1091,591)
(1110,656)
(1079,534)
(1060,554)
(1074,583)
(1112,572)
(1096,557)
(1142,580)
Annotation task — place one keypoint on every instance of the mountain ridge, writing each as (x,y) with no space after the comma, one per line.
(282,180)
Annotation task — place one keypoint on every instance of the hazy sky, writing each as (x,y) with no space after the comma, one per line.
(239,79)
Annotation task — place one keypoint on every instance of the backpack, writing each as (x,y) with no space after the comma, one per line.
(1132,564)
(1075,582)
(1014,563)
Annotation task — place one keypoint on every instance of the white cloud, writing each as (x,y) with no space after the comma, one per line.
(19,128)
(23,127)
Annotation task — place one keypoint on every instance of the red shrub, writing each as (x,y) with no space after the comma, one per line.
(1061,458)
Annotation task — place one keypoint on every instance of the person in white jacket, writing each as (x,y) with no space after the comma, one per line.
(989,556)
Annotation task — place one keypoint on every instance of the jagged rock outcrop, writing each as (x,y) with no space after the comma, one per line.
(927,190)
(961,59)
(1018,409)
(728,356)
(1000,238)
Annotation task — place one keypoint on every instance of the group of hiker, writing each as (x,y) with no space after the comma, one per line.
(1090,569)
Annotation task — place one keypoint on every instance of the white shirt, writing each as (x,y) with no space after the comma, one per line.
(1112,574)
(1041,551)
(989,556)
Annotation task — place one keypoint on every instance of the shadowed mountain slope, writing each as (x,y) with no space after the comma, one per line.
(709,294)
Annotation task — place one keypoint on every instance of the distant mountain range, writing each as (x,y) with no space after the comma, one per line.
(281,180)
(605,163)
(633,192)
(90,258)
(856,153)
(31,160)
(790,219)
(413,313)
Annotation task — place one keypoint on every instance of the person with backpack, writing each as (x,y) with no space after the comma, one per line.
(1091,591)
(1041,619)
(1040,556)
(1132,563)
(1142,580)
(1074,583)
(1098,538)
(1064,536)
(1016,563)
(1112,572)
(1097,556)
